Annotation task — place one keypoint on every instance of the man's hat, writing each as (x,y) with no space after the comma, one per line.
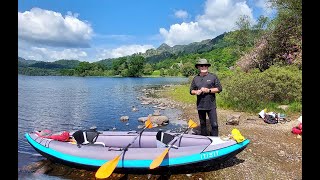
(202,62)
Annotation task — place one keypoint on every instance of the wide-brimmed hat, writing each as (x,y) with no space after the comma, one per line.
(202,62)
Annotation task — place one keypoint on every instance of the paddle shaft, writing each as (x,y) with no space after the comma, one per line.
(133,140)
(179,137)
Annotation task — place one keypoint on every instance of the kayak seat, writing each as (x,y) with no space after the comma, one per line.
(163,139)
(87,137)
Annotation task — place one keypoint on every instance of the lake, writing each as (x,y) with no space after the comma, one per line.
(62,103)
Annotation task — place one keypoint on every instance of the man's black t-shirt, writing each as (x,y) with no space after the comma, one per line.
(206,101)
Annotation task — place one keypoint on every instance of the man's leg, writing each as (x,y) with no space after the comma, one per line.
(213,121)
(203,124)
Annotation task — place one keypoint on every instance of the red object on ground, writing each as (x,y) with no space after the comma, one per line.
(297,129)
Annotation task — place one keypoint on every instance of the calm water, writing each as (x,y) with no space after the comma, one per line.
(73,103)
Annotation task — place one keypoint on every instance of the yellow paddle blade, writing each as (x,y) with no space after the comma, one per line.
(107,168)
(148,123)
(192,124)
(237,135)
(156,162)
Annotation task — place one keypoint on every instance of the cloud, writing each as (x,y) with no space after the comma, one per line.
(181,14)
(49,28)
(184,33)
(219,16)
(49,53)
(123,51)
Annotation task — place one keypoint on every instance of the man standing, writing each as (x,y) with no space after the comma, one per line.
(205,85)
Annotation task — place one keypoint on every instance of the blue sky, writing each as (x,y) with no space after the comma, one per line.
(92,30)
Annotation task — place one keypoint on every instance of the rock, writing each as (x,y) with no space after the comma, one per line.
(298,136)
(159,120)
(44,169)
(144,103)
(233,119)
(134,109)
(281,153)
(284,107)
(161,107)
(124,118)
(156,113)
(140,126)
(34,166)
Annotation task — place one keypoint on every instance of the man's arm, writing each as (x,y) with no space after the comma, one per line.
(194,89)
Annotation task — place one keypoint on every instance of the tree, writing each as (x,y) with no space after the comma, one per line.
(135,66)
(83,68)
(262,23)
(285,40)
(118,65)
(147,69)
(162,72)
(188,69)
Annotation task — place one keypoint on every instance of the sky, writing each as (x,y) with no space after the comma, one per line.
(93,30)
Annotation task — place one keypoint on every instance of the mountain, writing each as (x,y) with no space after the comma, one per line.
(25,63)
(165,51)
(163,47)
(59,64)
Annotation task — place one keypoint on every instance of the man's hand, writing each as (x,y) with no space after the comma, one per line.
(198,92)
(206,90)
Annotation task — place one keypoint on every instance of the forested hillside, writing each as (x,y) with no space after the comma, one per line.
(162,58)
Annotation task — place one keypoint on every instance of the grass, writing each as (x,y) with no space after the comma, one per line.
(180,93)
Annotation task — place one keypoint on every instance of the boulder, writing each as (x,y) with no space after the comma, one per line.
(159,120)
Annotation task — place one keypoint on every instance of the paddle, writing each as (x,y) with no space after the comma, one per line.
(107,168)
(157,161)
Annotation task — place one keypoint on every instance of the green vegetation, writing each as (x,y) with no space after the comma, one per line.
(156,73)
(256,90)
(259,66)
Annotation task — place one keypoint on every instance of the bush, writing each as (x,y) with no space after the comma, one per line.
(256,90)
(156,73)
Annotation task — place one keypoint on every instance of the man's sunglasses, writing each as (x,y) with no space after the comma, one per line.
(203,65)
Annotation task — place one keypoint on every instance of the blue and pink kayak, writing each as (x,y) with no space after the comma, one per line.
(189,150)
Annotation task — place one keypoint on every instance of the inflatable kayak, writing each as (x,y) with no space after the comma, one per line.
(96,148)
